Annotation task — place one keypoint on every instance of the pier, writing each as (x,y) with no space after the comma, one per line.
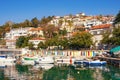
(111,61)
(10,51)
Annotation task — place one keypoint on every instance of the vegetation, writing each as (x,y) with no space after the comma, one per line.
(2,42)
(81,40)
(116,36)
(22,42)
(42,45)
(50,31)
(113,38)
(117,19)
(56,37)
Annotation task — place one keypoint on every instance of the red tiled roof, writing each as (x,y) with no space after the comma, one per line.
(101,26)
(10,40)
(37,38)
(36,29)
(74,33)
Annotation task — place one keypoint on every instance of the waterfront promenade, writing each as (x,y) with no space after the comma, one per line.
(10,51)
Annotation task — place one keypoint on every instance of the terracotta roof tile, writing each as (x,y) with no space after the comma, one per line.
(101,26)
(37,38)
(35,29)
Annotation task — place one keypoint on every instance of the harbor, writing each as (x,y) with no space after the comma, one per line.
(72,64)
(52,72)
(59,40)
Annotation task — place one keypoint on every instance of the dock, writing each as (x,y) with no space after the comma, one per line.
(111,61)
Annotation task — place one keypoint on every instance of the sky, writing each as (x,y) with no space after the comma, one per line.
(20,10)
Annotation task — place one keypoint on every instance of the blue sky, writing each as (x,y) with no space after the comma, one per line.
(19,10)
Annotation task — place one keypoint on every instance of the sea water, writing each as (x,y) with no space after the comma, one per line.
(51,72)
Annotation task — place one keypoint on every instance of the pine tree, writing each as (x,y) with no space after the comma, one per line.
(117,19)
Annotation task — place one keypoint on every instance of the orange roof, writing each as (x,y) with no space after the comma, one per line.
(36,29)
(101,26)
(74,33)
(10,40)
(37,38)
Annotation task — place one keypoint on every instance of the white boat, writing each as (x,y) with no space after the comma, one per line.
(5,59)
(63,60)
(46,66)
(29,60)
(45,60)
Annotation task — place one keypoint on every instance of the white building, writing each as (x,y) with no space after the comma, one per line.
(97,32)
(14,34)
(17,32)
(36,31)
(36,41)
(11,44)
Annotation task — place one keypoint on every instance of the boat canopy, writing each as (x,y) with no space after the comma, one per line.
(115,49)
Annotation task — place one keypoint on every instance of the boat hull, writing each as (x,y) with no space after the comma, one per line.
(44,60)
(94,63)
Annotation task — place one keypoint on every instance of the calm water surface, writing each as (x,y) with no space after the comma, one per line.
(51,72)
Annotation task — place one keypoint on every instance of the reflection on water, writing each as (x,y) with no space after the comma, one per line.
(51,72)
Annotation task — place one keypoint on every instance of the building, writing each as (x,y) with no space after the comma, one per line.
(11,44)
(36,41)
(14,34)
(17,33)
(97,32)
(36,31)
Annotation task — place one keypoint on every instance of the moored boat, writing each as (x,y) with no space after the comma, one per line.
(6,59)
(45,60)
(63,60)
(29,59)
(95,63)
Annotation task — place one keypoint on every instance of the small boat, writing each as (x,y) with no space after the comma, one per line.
(45,60)
(6,59)
(63,60)
(78,63)
(46,66)
(95,63)
(29,60)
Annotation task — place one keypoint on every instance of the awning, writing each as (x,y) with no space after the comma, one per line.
(115,49)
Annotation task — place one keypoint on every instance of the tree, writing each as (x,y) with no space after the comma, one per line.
(50,31)
(63,32)
(116,36)
(22,42)
(44,21)
(114,39)
(117,19)
(42,45)
(31,45)
(106,38)
(64,43)
(35,22)
(60,23)
(2,42)
(27,23)
(81,40)
(70,23)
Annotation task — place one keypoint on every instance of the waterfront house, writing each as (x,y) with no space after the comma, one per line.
(97,32)
(17,32)
(36,31)
(14,34)
(36,41)
(11,44)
